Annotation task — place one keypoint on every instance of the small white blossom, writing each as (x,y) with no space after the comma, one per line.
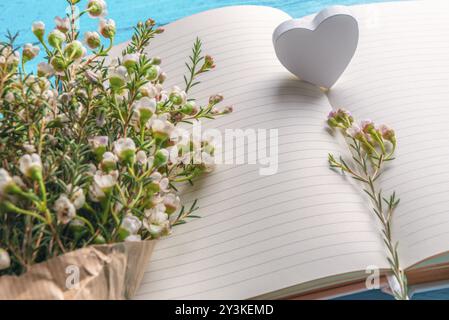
(62,24)
(30,52)
(125,149)
(171,202)
(178,96)
(142,157)
(161,127)
(6,181)
(144,109)
(156,221)
(30,165)
(149,90)
(45,70)
(109,161)
(78,198)
(130,59)
(159,183)
(65,209)
(38,28)
(103,183)
(118,77)
(132,224)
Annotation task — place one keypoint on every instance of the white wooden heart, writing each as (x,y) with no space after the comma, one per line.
(318,50)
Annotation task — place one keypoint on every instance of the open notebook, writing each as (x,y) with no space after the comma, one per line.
(305,230)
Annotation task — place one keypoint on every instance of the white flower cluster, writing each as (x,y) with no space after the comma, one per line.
(93,152)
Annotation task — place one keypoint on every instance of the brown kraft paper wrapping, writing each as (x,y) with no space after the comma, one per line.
(96,272)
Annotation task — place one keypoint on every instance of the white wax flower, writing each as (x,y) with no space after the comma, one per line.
(38,28)
(159,182)
(125,149)
(6,181)
(65,209)
(144,109)
(78,198)
(171,202)
(30,51)
(132,224)
(130,59)
(161,127)
(142,157)
(30,165)
(45,70)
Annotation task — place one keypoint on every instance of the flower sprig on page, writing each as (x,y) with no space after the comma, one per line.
(371,148)
(91,151)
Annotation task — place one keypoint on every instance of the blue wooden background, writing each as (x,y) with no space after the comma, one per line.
(18,15)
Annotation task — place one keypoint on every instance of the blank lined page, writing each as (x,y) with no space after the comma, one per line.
(400,76)
(258,234)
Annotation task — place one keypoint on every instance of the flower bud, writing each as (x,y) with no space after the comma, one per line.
(117,78)
(215,99)
(189,108)
(99,145)
(130,60)
(153,73)
(150,23)
(38,29)
(96,8)
(56,38)
(340,118)
(58,63)
(92,39)
(107,28)
(74,50)
(208,64)
(30,52)
(109,162)
(5,260)
(161,157)
(177,96)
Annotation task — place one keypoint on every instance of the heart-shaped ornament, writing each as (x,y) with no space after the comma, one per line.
(318,50)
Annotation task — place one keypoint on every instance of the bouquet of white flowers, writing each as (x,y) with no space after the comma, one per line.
(90,151)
